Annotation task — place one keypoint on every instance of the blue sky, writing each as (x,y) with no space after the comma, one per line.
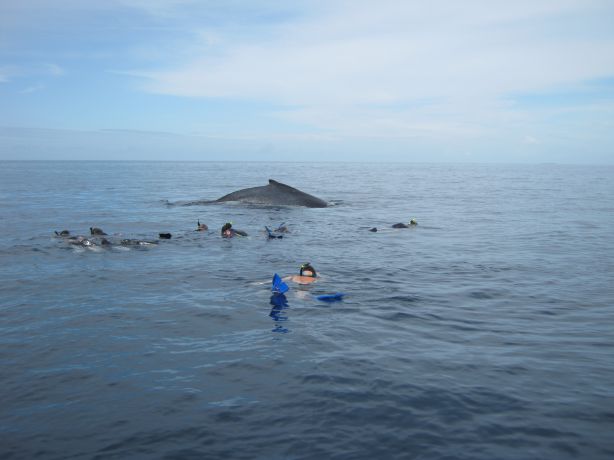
(481,81)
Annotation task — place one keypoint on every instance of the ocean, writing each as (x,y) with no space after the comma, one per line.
(484,332)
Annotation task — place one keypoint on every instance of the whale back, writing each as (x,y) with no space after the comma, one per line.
(275,194)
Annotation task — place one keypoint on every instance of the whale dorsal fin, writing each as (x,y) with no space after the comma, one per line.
(285,187)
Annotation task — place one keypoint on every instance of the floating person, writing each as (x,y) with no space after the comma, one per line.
(86,242)
(307,275)
(229,232)
(282,228)
(63,233)
(96,231)
(374,229)
(272,234)
(411,223)
(201,227)
(165,236)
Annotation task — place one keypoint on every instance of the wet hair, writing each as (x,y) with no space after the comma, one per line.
(227,226)
(307,267)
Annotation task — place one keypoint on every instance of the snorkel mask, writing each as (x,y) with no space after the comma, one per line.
(307,267)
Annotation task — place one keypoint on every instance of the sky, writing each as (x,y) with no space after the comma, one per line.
(528,81)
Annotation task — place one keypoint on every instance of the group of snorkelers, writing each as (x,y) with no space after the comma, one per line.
(307,272)
(97,235)
(97,238)
(228,231)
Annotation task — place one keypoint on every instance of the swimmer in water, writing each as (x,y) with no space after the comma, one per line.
(307,275)
(282,229)
(229,232)
(201,227)
(272,235)
(410,224)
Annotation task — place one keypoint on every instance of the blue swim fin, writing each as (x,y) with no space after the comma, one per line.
(278,286)
(336,297)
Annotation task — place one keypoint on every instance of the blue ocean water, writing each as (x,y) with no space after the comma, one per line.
(485,332)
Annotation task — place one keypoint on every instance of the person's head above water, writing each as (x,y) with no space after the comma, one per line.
(201,227)
(227,229)
(308,270)
(413,222)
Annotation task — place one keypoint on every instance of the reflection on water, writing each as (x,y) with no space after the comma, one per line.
(280,304)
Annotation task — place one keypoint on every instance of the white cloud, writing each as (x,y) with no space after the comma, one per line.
(33,88)
(353,68)
(530,140)
(7,73)
(12,72)
(54,70)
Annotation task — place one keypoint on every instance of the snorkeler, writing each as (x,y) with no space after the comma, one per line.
(201,227)
(272,235)
(229,232)
(410,224)
(307,275)
(283,228)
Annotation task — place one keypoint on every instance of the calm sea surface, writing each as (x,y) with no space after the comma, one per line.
(486,332)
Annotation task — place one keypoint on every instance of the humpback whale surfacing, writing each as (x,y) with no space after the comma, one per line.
(275,194)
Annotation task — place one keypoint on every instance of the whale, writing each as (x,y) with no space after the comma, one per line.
(274,194)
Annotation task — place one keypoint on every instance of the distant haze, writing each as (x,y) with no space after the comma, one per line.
(529,81)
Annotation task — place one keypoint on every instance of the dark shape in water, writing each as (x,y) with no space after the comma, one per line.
(165,236)
(201,227)
(86,242)
(336,297)
(275,194)
(271,234)
(96,231)
(282,228)
(229,232)
(410,224)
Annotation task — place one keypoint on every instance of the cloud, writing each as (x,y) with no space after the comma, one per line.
(530,140)
(359,69)
(33,89)
(7,73)
(12,72)
(54,70)
(449,76)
